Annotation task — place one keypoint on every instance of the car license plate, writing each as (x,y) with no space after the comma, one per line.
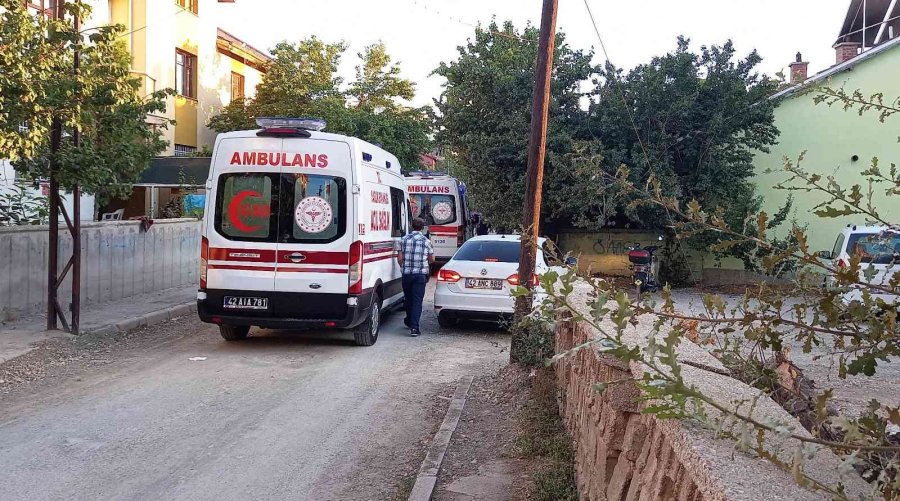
(246,303)
(483,283)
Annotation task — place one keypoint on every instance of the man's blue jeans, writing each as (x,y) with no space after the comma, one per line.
(413,295)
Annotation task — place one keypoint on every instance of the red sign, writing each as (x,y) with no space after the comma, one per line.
(380,197)
(239,208)
(429,189)
(263,158)
(381,220)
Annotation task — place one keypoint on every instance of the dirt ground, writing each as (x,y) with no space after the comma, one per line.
(486,459)
(174,412)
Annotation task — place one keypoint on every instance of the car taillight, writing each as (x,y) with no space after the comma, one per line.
(355,282)
(841,264)
(449,276)
(204,256)
(514,279)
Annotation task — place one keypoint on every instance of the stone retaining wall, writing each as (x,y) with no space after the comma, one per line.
(622,454)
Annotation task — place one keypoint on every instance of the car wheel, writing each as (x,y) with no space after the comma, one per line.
(447,320)
(234,332)
(366,333)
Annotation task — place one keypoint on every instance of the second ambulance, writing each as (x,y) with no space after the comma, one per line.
(441,201)
(299,231)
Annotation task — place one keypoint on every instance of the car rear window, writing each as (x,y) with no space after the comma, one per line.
(875,248)
(489,250)
(434,208)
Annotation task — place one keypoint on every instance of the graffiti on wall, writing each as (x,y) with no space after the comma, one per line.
(611,246)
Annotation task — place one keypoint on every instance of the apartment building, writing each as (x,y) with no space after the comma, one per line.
(178,44)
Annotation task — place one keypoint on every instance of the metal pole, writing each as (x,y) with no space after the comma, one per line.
(76,208)
(534,179)
(53,251)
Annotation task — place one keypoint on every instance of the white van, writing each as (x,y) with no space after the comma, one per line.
(878,248)
(299,231)
(441,201)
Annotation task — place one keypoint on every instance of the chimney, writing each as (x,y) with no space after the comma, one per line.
(844,51)
(798,70)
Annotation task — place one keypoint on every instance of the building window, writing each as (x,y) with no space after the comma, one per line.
(190,5)
(237,86)
(185,69)
(183,150)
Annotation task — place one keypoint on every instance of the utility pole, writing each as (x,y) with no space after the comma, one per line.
(73,224)
(53,251)
(534,180)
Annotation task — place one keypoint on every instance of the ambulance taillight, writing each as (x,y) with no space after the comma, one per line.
(460,235)
(355,285)
(204,256)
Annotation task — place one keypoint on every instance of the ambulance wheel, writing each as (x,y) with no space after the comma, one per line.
(234,332)
(366,333)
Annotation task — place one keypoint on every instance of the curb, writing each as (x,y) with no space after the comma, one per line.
(145,320)
(427,477)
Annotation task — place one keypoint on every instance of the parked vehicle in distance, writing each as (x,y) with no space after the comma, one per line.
(441,201)
(878,248)
(477,282)
(644,266)
(299,231)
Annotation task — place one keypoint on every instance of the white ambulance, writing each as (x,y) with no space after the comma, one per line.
(441,201)
(300,231)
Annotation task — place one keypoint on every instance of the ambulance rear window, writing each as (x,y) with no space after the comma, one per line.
(315,206)
(244,206)
(434,208)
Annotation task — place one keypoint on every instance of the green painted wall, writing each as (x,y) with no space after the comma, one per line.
(831,136)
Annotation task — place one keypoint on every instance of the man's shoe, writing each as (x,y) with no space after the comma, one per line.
(414,332)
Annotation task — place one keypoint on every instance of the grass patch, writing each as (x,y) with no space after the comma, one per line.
(544,438)
(537,341)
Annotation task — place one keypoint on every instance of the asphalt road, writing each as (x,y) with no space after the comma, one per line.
(284,415)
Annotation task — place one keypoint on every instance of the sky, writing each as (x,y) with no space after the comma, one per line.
(422,33)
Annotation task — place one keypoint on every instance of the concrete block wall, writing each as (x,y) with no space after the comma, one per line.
(622,454)
(117,261)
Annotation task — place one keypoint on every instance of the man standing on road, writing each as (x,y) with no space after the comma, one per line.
(415,257)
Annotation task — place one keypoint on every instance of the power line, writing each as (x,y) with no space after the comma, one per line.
(617,86)
(463,22)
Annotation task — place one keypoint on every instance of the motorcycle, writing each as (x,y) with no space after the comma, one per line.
(644,266)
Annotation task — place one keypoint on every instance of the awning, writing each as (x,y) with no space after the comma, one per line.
(176,171)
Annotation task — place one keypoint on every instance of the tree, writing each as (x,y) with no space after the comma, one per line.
(302,81)
(37,83)
(484,112)
(691,120)
(378,83)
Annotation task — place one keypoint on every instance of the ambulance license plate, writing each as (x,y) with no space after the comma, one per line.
(483,283)
(246,303)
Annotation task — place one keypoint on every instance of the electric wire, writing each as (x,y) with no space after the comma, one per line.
(462,22)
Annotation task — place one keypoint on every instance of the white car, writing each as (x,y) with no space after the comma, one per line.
(478,280)
(879,251)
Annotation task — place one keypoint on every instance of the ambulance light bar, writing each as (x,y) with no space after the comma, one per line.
(426,174)
(314,124)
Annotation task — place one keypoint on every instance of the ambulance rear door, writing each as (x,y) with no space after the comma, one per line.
(316,221)
(436,202)
(242,232)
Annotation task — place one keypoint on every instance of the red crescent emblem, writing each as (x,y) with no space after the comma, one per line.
(234,214)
